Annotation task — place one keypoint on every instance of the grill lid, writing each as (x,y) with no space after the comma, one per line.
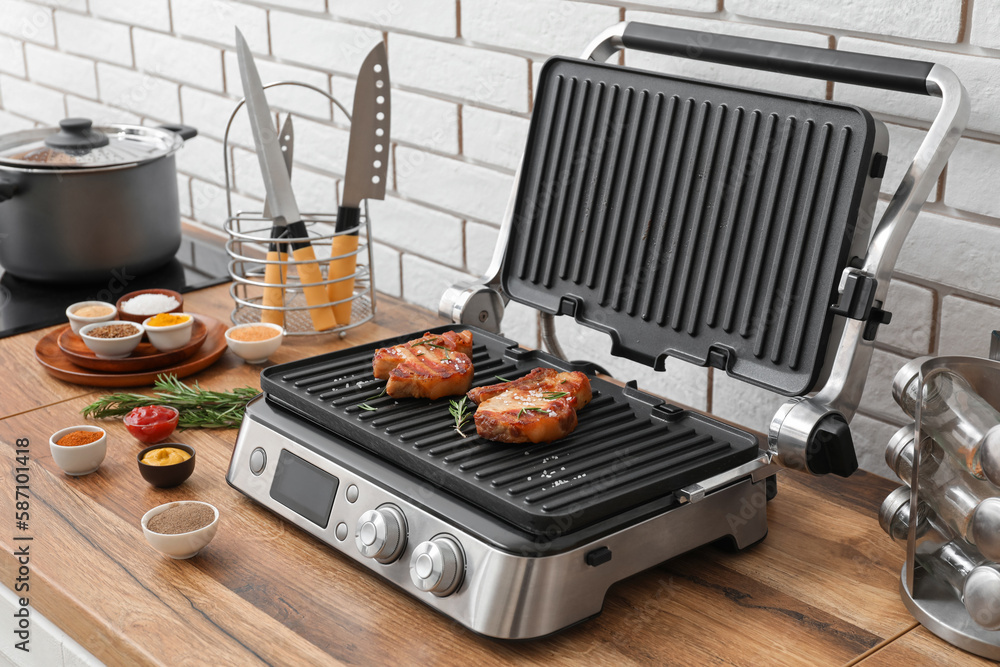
(688,219)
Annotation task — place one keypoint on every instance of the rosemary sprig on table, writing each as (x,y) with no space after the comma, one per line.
(199,408)
(460,411)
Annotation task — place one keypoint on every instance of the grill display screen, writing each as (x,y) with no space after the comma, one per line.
(304,488)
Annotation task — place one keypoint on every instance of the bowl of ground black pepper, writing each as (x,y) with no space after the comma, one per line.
(112,340)
(79,450)
(180,529)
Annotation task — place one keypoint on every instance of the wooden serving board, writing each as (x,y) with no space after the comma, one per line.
(145,357)
(57,363)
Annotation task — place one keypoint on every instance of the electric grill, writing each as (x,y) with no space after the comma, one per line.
(723,226)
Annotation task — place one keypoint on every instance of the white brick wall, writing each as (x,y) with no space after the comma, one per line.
(153,14)
(931,20)
(462,73)
(61,70)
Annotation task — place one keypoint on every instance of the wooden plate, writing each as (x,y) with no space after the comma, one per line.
(144,358)
(56,362)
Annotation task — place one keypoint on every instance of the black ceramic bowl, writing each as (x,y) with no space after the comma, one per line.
(166,476)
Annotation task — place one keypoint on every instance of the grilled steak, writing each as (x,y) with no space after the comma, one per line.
(431,366)
(540,407)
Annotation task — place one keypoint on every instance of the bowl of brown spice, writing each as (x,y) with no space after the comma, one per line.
(79,450)
(180,529)
(112,340)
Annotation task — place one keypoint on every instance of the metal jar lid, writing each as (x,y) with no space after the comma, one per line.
(982,596)
(895,503)
(904,376)
(989,455)
(77,144)
(899,441)
(985,528)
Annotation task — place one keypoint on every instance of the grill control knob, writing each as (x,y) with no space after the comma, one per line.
(381,533)
(437,565)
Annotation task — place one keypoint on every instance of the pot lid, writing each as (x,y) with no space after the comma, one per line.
(77,144)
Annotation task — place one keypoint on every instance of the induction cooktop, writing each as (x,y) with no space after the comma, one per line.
(27,305)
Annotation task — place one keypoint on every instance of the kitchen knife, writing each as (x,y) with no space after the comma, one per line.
(278,184)
(367,164)
(277,274)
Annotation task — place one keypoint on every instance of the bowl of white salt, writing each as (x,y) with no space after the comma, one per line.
(137,306)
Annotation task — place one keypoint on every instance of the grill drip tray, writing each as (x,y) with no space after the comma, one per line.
(628,448)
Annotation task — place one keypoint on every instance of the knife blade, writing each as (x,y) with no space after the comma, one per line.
(280,198)
(367,165)
(277,273)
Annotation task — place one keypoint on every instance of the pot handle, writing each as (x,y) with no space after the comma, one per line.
(8,189)
(186,131)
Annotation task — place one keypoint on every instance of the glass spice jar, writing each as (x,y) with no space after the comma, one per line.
(959,420)
(968,506)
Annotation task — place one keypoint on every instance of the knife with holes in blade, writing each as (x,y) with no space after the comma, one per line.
(278,184)
(276,273)
(367,165)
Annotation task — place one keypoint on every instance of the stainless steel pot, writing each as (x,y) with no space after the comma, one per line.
(78,202)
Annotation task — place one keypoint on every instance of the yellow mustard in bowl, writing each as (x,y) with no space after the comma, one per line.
(165,456)
(167,320)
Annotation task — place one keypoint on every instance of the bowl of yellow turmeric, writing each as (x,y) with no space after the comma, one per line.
(169,331)
(166,464)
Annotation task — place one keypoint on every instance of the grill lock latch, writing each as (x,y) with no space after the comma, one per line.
(857,301)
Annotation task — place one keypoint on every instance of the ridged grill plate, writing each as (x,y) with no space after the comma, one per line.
(628,448)
(688,219)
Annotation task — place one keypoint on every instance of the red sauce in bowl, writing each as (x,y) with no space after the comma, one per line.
(151,423)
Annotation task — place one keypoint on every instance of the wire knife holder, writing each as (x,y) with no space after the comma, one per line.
(249,235)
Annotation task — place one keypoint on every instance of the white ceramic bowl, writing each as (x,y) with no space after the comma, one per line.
(170,337)
(255,351)
(181,545)
(77,322)
(111,348)
(82,459)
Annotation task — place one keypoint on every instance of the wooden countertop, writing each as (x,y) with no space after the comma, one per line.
(820,590)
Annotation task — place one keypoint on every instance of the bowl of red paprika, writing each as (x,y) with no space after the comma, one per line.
(79,450)
(151,424)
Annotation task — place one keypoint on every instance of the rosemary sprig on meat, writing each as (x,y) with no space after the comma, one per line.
(523,410)
(199,408)
(553,395)
(460,411)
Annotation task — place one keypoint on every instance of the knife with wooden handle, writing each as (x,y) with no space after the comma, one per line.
(367,165)
(280,198)
(277,273)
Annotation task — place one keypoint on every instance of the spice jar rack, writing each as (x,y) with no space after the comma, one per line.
(250,236)
(948,516)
